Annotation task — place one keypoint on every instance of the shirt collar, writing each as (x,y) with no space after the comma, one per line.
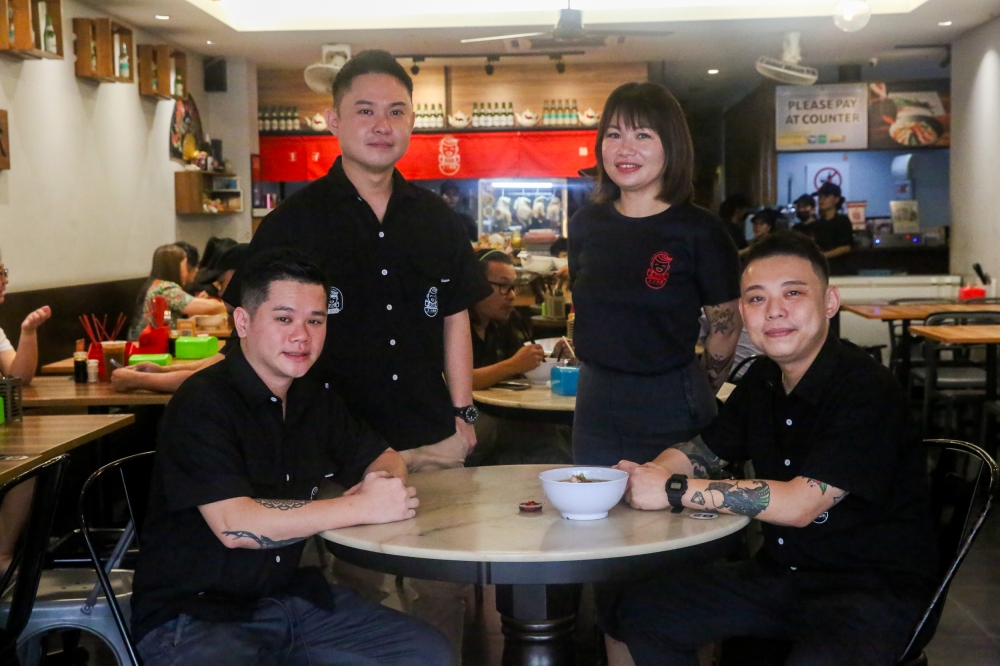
(252,387)
(343,187)
(810,388)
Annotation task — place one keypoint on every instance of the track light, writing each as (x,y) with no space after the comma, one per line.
(489,69)
(414,70)
(560,67)
(489,64)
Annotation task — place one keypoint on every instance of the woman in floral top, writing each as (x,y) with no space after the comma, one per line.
(169,272)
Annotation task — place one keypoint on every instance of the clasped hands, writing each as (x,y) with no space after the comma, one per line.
(646,487)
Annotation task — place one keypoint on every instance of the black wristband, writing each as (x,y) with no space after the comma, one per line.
(677,485)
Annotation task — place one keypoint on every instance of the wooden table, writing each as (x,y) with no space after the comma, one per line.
(468,529)
(37,439)
(65,366)
(63,392)
(969,335)
(905,313)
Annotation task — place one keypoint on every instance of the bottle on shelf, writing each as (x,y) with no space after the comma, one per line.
(510,114)
(93,54)
(10,23)
(546,119)
(152,69)
(124,67)
(179,84)
(260,119)
(575,120)
(297,123)
(475,114)
(49,42)
(487,119)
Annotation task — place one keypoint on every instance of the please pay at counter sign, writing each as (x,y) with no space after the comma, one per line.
(833,117)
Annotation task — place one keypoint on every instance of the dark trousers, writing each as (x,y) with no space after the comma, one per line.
(289,630)
(832,619)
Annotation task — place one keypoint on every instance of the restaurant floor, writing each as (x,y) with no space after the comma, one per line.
(968,634)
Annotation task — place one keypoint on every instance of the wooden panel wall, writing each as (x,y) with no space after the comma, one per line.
(751,162)
(527,86)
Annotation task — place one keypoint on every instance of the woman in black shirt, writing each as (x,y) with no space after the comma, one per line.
(644,261)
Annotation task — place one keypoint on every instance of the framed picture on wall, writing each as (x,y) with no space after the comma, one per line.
(4,142)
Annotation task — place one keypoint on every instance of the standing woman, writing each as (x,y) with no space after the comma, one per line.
(643,262)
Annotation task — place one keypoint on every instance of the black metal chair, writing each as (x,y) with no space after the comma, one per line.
(734,374)
(963,479)
(20,582)
(896,332)
(68,599)
(954,381)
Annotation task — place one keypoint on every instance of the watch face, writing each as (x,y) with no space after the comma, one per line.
(676,485)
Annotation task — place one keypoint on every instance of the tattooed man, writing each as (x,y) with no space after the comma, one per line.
(848,559)
(242,450)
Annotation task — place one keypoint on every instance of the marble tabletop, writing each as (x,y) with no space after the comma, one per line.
(541,397)
(472,515)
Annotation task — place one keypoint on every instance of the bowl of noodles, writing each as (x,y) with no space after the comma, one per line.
(584,493)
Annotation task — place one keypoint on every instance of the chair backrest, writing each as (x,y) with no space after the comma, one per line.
(966,318)
(990,300)
(30,555)
(963,479)
(734,373)
(133,474)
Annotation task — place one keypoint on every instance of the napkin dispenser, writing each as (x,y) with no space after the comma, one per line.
(11,398)
(564,379)
(196,346)
(158,359)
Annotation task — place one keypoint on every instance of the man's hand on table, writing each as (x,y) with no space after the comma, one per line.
(466,431)
(385,499)
(123,380)
(646,487)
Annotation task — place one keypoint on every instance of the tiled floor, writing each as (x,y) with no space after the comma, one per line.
(968,635)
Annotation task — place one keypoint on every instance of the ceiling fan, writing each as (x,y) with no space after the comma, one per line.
(569,32)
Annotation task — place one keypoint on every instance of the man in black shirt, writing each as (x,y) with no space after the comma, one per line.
(401,272)
(832,232)
(242,450)
(733,212)
(848,560)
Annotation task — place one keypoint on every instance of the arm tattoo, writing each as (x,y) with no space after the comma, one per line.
(281,505)
(744,498)
(704,462)
(816,483)
(698,498)
(838,498)
(263,542)
(721,319)
(716,365)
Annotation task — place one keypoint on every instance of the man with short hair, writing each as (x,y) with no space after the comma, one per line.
(849,559)
(401,271)
(242,450)
(832,231)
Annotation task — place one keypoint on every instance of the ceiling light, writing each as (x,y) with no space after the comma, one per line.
(944,24)
(162,17)
(209,41)
(713,71)
(852,15)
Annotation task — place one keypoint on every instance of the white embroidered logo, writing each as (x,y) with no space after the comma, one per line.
(823,517)
(336,302)
(431,302)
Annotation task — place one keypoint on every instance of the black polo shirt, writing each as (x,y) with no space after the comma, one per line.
(391,286)
(830,234)
(846,423)
(223,436)
(501,341)
(639,284)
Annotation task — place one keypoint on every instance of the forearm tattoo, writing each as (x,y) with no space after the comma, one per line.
(263,542)
(281,505)
(721,319)
(703,461)
(744,498)
(698,499)
(717,365)
(823,487)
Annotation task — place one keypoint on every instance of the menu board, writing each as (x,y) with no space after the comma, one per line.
(811,118)
(909,114)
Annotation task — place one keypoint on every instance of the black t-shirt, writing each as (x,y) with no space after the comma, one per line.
(223,436)
(830,234)
(501,342)
(639,284)
(846,423)
(738,234)
(391,286)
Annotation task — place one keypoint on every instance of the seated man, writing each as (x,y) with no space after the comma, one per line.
(243,448)
(499,353)
(849,558)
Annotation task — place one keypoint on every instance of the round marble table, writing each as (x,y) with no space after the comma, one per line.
(469,529)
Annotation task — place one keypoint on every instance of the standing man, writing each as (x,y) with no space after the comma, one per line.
(401,276)
(805,209)
(832,231)
(401,271)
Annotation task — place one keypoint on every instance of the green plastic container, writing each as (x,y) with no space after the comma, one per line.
(158,359)
(196,347)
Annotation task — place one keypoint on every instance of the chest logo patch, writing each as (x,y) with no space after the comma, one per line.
(659,270)
(431,302)
(823,517)
(336,302)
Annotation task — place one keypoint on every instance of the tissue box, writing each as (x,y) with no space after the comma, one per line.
(564,380)
(196,347)
(158,359)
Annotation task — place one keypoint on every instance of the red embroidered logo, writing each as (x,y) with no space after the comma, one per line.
(659,270)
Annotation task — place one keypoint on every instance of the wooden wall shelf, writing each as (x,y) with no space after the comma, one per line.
(123,48)
(29,23)
(92,45)
(194,190)
(159,67)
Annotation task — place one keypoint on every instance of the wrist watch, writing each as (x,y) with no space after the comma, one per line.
(677,485)
(468,414)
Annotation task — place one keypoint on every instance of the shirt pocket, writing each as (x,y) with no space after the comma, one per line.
(428,287)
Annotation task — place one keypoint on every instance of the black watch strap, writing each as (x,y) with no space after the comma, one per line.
(677,485)
(469,413)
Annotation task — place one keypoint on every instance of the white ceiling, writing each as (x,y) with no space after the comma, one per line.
(692,48)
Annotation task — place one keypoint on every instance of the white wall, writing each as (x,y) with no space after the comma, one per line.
(975,150)
(90,193)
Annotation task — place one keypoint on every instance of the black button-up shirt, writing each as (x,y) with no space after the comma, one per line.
(502,340)
(846,423)
(391,286)
(223,436)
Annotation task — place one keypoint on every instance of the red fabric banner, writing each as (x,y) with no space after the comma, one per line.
(556,154)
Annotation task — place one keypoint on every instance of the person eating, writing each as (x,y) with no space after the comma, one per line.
(243,448)
(849,558)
